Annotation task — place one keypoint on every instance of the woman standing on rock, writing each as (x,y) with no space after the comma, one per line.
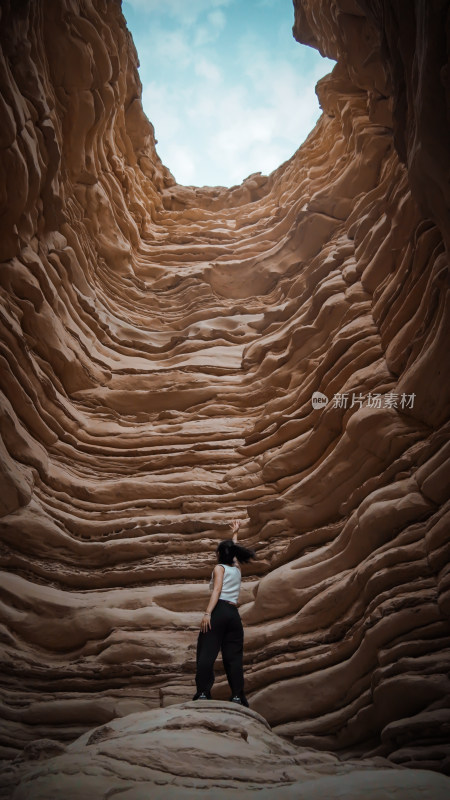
(221,626)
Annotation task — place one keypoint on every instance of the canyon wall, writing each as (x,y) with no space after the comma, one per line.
(160,346)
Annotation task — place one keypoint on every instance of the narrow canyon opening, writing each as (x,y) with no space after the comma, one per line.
(175,357)
(227,88)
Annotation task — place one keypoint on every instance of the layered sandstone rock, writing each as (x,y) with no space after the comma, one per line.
(160,348)
(195,749)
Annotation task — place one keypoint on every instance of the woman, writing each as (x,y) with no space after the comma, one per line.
(221,626)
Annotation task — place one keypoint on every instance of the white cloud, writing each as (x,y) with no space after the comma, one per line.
(208,32)
(206,69)
(173,45)
(182,162)
(217,19)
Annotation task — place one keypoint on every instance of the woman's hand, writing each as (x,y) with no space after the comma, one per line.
(235,524)
(205,624)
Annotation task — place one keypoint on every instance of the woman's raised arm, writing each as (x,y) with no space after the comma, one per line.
(235,525)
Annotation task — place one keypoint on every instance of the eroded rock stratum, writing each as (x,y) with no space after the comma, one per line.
(160,347)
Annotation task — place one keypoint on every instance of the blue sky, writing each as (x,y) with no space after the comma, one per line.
(228,89)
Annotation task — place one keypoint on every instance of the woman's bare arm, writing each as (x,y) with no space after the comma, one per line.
(235,525)
(217,588)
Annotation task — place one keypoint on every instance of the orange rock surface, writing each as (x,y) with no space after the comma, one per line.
(160,346)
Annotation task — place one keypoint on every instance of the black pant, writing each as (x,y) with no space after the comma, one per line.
(226,634)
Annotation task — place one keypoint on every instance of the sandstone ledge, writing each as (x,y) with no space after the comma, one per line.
(210,749)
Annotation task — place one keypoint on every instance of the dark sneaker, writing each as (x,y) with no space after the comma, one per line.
(240,699)
(201,696)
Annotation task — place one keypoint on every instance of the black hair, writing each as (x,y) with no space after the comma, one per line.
(228,550)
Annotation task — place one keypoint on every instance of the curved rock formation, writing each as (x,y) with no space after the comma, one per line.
(186,750)
(160,348)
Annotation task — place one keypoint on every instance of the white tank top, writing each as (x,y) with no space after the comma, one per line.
(231,583)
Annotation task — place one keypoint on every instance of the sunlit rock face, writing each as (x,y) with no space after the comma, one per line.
(160,348)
